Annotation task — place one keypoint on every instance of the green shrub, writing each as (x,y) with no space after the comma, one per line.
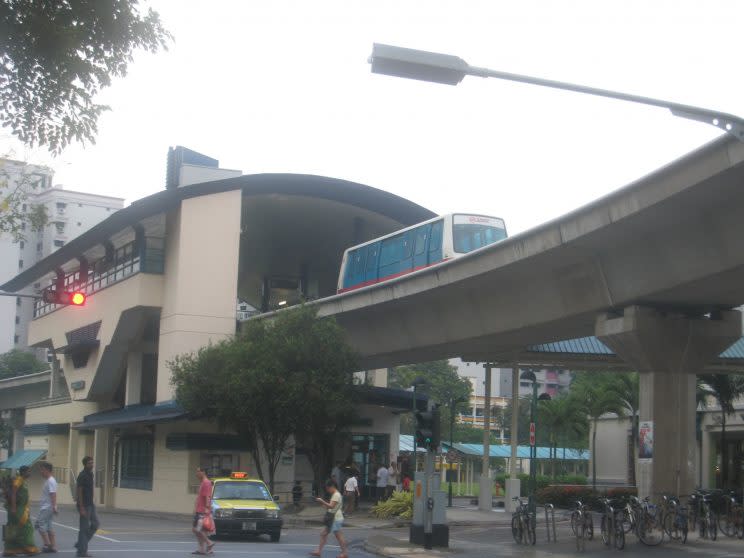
(400,504)
(541,481)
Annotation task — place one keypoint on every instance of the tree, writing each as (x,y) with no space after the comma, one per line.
(726,389)
(443,386)
(20,363)
(17,182)
(291,377)
(56,55)
(523,420)
(564,421)
(598,394)
(628,390)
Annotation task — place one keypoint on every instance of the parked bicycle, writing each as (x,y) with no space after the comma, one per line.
(649,527)
(582,525)
(523,524)
(731,518)
(611,525)
(675,519)
(702,515)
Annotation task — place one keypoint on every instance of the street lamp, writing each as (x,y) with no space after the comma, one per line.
(453,404)
(450,70)
(529,376)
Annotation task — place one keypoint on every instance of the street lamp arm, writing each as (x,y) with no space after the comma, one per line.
(450,70)
(729,123)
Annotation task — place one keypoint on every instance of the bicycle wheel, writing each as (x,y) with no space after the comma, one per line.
(650,530)
(712,528)
(727,524)
(517,528)
(627,521)
(619,535)
(670,526)
(684,532)
(531,534)
(575,521)
(589,523)
(605,530)
(580,532)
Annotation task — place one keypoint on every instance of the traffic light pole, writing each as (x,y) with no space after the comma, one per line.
(428,496)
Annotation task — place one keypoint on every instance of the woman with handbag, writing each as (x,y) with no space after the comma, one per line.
(333,519)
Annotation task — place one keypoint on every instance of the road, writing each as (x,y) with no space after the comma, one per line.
(125,535)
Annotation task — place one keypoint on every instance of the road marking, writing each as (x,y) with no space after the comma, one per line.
(33,518)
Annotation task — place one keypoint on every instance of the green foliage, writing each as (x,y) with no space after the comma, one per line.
(400,504)
(288,377)
(56,55)
(444,386)
(17,183)
(20,363)
(565,497)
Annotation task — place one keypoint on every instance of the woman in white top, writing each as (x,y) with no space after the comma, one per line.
(332,505)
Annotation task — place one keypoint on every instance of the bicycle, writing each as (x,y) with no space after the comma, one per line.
(611,525)
(523,524)
(731,521)
(582,525)
(704,518)
(649,526)
(675,519)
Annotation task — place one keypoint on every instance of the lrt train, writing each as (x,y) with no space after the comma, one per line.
(437,240)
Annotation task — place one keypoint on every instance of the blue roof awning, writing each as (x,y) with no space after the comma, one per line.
(497,450)
(133,414)
(21,458)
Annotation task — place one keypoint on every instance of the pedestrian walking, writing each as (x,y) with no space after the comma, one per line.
(88,523)
(382,481)
(351,492)
(333,520)
(47,508)
(336,474)
(203,522)
(19,532)
(393,479)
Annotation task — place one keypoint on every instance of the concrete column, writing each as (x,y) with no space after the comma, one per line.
(485,498)
(200,279)
(133,391)
(513,487)
(668,349)
(709,446)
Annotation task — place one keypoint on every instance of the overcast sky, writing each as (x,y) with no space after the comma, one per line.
(284,86)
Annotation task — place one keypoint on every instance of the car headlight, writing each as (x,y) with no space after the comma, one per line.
(273,514)
(220,512)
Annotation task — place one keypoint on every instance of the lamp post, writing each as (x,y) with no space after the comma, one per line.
(453,403)
(450,70)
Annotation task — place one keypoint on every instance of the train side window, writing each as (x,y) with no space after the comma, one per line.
(372,258)
(420,241)
(435,243)
(391,250)
(407,245)
(359,261)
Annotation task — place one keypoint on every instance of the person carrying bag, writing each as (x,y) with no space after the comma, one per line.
(333,519)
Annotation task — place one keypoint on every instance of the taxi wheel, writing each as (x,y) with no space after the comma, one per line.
(275,536)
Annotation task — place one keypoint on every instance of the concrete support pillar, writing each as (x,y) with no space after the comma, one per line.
(133,391)
(485,498)
(668,401)
(708,449)
(513,487)
(668,349)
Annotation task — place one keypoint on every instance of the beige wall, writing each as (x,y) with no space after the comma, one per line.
(612,449)
(64,413)
(201,278)
(107,305)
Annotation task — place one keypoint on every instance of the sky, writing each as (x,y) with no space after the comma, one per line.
(285,86)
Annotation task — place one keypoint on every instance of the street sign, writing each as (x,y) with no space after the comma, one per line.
(532,433)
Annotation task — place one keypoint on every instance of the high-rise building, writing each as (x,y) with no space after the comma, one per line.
(70,214)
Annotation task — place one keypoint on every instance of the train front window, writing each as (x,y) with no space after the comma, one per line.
(473,232)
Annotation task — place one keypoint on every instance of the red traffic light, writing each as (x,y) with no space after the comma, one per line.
(74,298)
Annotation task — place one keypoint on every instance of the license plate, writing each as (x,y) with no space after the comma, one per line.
(249,525)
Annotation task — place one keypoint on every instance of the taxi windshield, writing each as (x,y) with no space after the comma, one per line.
(226,490)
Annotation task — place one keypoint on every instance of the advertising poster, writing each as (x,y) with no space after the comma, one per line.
(646,440)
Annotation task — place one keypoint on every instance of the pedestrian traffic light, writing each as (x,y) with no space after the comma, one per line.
(428,429)
(68,298)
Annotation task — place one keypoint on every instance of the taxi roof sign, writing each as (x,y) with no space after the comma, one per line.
(239,476)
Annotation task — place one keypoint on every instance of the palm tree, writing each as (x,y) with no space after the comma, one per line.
(628,386)
(726,389)
(563,419)
(598,394)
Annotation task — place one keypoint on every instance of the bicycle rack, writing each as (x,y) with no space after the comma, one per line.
(550,521)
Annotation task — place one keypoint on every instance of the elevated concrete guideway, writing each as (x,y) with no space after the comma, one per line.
(673,241)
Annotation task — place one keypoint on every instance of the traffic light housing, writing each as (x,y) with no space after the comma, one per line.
(67,298)
(428,431)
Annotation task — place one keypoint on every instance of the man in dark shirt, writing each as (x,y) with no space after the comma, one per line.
(86,508)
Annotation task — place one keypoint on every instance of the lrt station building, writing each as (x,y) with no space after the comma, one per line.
(167,275)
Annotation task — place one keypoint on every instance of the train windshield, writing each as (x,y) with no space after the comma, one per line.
(471,232)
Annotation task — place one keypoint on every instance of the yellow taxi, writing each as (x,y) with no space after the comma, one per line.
(244,506)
